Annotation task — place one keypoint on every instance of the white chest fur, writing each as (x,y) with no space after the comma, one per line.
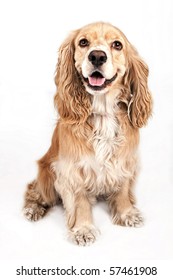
(105,127)
(105,140)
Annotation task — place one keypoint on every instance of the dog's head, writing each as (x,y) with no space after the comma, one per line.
(95,60)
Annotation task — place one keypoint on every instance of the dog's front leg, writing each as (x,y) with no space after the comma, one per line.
(82,231)
(122,206)
(78,215)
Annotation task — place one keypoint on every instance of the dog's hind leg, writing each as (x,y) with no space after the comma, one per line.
(40,194)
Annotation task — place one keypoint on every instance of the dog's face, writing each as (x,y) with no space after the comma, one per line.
(100,57)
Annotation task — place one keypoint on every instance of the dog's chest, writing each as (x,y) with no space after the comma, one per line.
(99,172)
(105,129)
(105,141)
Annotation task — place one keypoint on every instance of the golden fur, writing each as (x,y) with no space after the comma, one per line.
(102,99)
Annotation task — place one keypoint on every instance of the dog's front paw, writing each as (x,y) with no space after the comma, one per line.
(34,211)
(84,235)
(131,217)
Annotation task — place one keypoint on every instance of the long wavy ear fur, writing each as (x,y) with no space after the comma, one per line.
(140,106)
(71,99)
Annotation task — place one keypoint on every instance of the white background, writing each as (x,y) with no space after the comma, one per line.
(30,34)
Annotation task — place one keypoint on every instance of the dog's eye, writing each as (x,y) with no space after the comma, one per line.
(117,45)
(83,43)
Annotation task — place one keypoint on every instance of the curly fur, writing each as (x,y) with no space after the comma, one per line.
(94,146)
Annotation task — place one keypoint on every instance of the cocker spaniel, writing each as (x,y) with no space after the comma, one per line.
(102,99)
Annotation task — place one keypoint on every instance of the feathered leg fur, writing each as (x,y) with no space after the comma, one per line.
(122,207)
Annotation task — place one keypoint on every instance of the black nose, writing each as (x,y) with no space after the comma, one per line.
(97,58)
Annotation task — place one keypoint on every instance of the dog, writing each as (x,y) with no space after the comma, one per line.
(102,100)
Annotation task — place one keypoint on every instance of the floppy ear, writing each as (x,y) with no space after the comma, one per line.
(140,105)
(71,99)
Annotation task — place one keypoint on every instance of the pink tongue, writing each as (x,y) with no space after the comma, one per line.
(96,81)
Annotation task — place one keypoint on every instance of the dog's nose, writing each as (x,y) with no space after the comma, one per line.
(97,58)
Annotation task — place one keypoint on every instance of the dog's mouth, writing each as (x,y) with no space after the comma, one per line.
(97,81)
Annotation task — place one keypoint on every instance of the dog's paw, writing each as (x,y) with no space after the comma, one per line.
(34,211)
(84,235)
(131,218)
